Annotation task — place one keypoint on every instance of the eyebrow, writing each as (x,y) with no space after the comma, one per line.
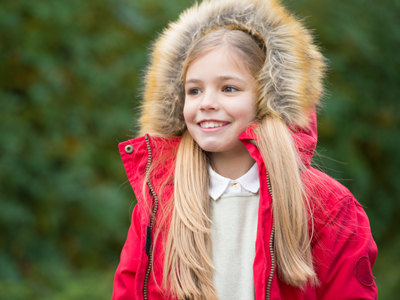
(220,78)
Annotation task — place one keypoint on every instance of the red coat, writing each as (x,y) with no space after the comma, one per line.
(342,245)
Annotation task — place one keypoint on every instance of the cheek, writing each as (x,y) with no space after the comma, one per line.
(252,108)
(246,113)
(185,114)
(188,113)
(189,116)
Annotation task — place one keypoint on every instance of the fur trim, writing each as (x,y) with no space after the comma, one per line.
(291,78)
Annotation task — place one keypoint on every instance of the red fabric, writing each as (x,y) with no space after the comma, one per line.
(363,271)
(342,245)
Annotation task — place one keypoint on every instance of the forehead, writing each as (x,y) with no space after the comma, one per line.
(221,57)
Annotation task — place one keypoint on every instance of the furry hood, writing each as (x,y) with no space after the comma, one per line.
(292,72)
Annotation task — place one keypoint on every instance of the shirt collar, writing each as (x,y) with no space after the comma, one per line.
(219,184)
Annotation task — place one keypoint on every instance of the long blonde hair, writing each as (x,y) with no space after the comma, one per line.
(188,262)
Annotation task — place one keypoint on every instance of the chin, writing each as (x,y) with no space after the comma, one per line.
(210,148)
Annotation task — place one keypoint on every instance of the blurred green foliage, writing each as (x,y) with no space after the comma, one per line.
(69,80)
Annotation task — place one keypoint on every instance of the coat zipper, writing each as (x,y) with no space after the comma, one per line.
(271,250)
(152,218)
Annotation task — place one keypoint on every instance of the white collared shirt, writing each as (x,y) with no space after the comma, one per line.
(220,185)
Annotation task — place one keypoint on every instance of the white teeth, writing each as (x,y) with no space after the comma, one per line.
(211,124)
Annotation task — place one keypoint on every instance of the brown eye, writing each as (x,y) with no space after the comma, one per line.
(194,92)
(230,89)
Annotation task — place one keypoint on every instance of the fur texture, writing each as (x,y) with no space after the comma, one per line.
(291,79)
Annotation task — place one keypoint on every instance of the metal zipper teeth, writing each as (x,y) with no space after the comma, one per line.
(271,250)
(146,278)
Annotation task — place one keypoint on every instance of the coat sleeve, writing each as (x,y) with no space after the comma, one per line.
(124,281)
(344,253)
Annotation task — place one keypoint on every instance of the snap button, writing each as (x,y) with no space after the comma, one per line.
(129,149)
(235,186)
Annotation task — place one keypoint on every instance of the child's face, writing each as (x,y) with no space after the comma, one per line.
(220,100)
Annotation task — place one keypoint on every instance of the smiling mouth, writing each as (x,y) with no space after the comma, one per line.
(211,124)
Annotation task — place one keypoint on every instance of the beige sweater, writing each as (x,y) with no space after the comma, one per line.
(234,229)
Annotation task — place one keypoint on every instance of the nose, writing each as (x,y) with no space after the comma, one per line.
(209,101)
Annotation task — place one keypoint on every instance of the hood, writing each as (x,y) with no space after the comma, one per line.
(293,69)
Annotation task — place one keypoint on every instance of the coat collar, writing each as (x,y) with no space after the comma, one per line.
(305,139)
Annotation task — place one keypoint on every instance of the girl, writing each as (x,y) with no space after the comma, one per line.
(228,205)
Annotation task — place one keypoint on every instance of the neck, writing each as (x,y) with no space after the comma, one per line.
(232,165)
